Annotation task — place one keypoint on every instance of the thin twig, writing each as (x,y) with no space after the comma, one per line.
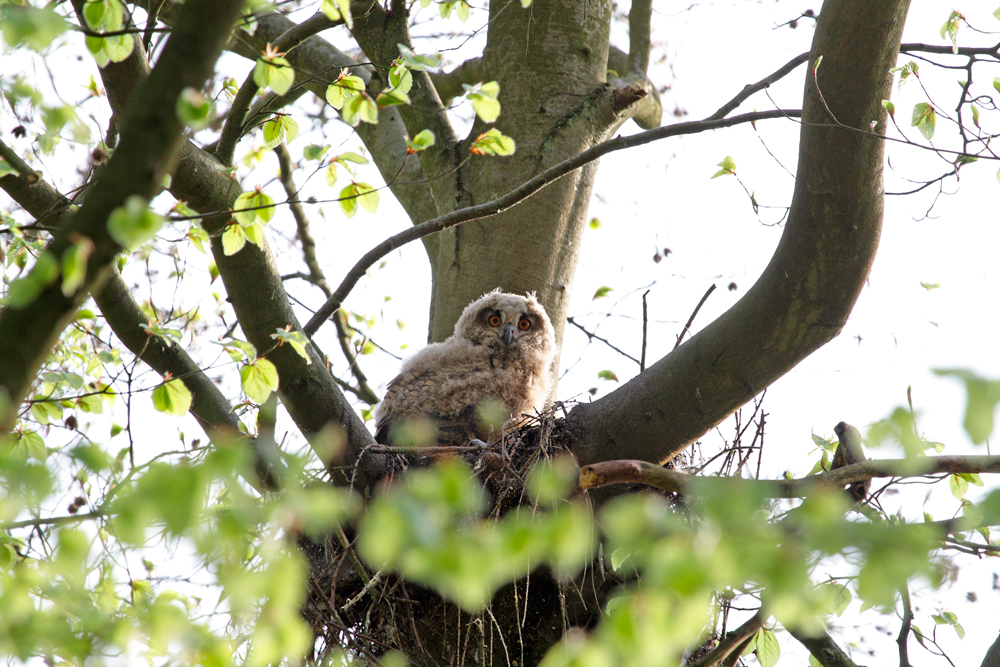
(645,326)
(904,630)
(687,327)
(520,193)
(592,336)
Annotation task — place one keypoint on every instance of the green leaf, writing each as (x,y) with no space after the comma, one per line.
(46,412)
(360,108)
(199,237)
(975,114)
(841,598)
(133,224)
(595,223)
(337,10)
(23,291)
(602,292)
(103,15)
(259,379)
(607,375)
(890,107)
(297,340)
(391,98)
(924,119)
(959,486)
(314,152)
(950,30)
(274,72)
(728,167)
(110,49)
(768,651)
(346,86)
(172,397)
(983,396)
(400,77)
(331,173)
(368,196)
(484,100)
(996,83)
(350,156)
(493,143)
(34,27)
(194,109)
(254,206)
(348,200)
(462,11)
(423,140)
(233,239)
(930,286)
(487,108)
(74,265)
(278,129)
(255,234)
(415,62)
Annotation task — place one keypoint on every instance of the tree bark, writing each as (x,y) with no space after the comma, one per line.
(150,139)
(808,290)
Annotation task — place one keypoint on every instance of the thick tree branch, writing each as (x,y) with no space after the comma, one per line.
(378,32)
(234,127)
(597,475)
(31,192)
(317,64)
(824,649)
(733,642)
(126,318)
(517,195)
(808,290)
(992,657)
(151,135)
(449,84)
(308,391)
(638,35)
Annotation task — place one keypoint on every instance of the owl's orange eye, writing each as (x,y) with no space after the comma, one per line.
(524,324)
(494,320)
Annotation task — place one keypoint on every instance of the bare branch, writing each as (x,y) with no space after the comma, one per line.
(151,135)
(642,472)
(517,195)
(750,89)
(687,327)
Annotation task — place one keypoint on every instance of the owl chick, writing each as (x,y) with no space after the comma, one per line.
(496,366)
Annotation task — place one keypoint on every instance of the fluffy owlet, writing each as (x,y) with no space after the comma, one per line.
(495,367)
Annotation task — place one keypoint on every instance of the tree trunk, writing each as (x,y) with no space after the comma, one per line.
(808,290)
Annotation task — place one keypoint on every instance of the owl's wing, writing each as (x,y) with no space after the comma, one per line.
(406,399)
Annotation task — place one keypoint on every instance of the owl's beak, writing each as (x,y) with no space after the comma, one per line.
(508,336)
